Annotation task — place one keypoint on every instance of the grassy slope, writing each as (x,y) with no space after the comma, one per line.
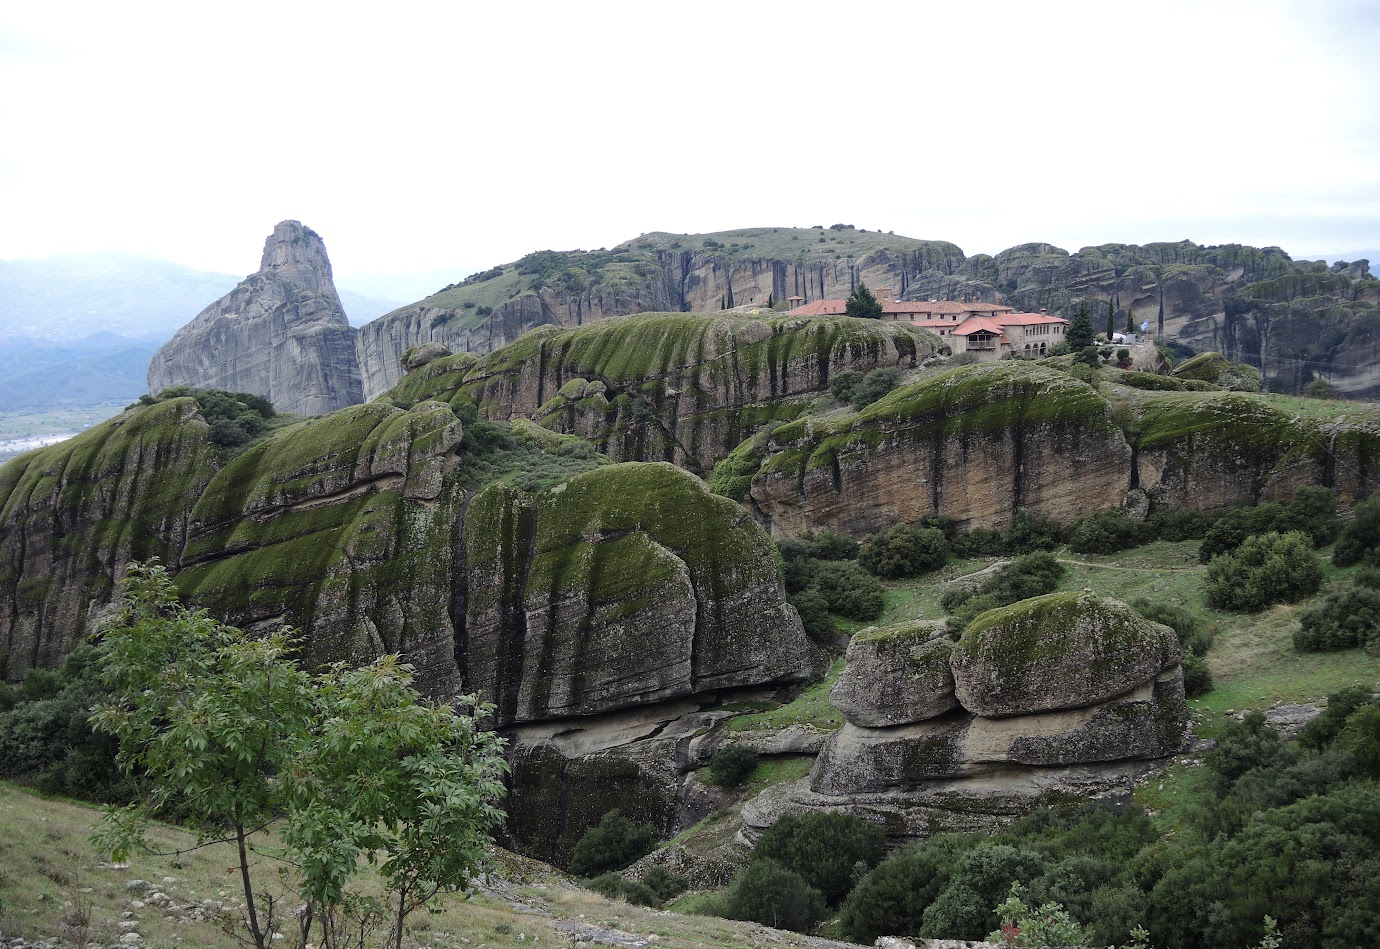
(52,874)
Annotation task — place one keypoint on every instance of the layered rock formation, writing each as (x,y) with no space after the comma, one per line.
(973,445)
(599,616)
(1066,692)
(979,443)
(281,334)
(624,586)
(668,386)
(72,515)
(1296,320)
(657,272)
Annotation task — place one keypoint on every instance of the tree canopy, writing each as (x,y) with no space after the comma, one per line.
(353,765)
(863,304)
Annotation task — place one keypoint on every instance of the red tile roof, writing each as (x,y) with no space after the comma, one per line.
(1029,319)
(978,324)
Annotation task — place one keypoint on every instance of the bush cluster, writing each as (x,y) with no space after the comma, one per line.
(1108,533)
(1265,569)
(1312,510)
(821,577)
(1360,540)
(1033,574)
(860,390)
(236,418)
(731,766)
(801,866)
(1194,637)
(45,738)
(612,845)
(1344,619)
(905,550)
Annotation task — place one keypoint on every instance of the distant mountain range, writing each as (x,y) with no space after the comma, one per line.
(66,298)
(1349,256)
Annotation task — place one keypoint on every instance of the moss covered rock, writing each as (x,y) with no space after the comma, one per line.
(1060,651)
(895,675)
(343,527)
(1220,371)
(627,585)
(676,387)
(974,444)
(74,514)
(1211,451)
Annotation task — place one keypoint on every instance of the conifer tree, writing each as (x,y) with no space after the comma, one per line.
(1111,320)
(1080,333)
(862,303)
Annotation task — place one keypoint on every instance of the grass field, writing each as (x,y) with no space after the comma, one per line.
(53,885)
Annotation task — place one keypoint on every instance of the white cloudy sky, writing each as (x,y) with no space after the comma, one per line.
(416,136)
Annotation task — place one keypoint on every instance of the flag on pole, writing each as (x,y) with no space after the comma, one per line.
(1145,327)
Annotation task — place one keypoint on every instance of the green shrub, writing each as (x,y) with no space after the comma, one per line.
(1025,533)
(1033,574)
(824,848)
(1179,524)
(843,384)
(893,897)
(874,385)
(830,546)
(966,908)
(1193,635)
(849,589)
(1360,540)
(664,883)
(1232,528)
(612,845)
(1342,620)
(46,740)
(1107,533)
(1197,676)
(1320,732)
(1265,569)
(768,893)
(614,886)
(1244,746)
(814,614)
(906,550)
(731,766)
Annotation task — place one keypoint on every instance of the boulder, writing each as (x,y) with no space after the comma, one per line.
(1060,651)
(896,675)
(1148,722)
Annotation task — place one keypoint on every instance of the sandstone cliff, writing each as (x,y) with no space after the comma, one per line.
(978,443)
(1295,320)
(281,334)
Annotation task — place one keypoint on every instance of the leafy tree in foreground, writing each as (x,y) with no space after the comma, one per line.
(862,303)
(353,763)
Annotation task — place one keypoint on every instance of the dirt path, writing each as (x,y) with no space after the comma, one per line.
(1107,566)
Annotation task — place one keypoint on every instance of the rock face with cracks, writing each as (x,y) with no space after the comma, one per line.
(281,334)
(626,585)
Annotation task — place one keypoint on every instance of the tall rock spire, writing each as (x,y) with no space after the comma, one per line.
(281,334)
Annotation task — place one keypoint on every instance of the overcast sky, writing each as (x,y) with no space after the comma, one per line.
(426,136)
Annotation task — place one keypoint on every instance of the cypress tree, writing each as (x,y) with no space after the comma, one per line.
(862,303)
(1111,320)
(1080,332)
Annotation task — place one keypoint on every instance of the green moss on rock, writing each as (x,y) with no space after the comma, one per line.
(1062,650)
